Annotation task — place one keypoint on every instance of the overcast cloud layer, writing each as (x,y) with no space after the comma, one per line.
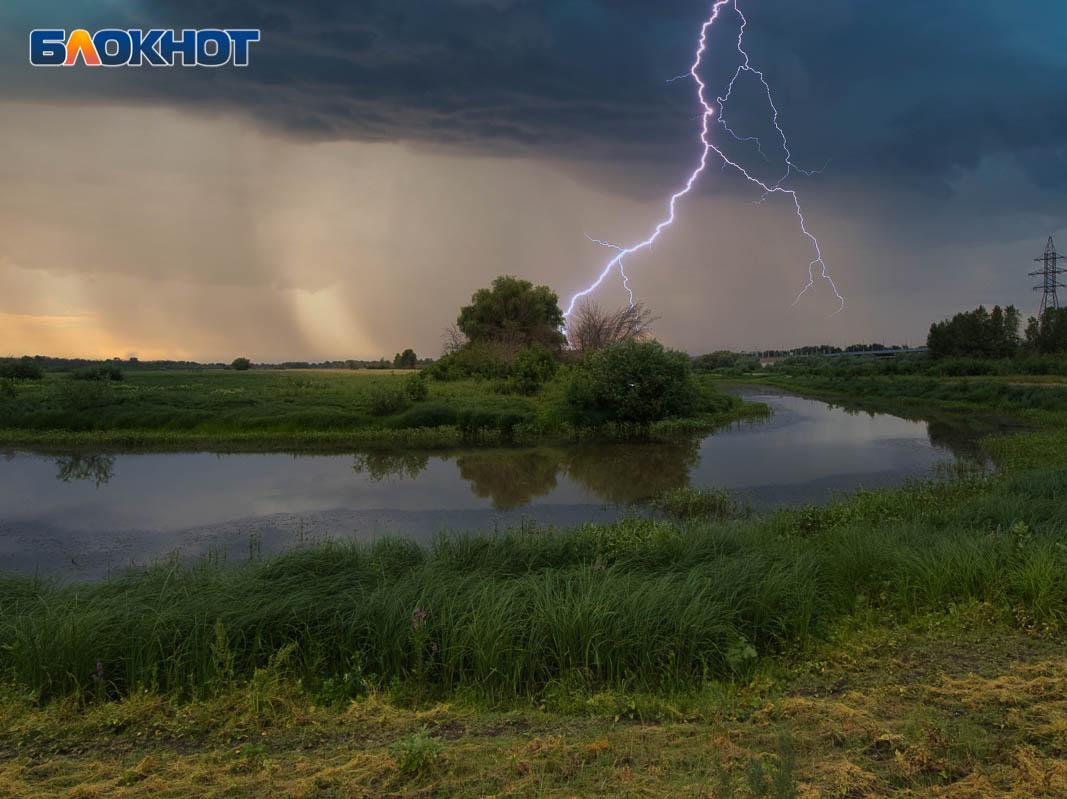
(379,161)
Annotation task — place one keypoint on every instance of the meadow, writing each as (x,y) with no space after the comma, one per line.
(904,642)
(299,409)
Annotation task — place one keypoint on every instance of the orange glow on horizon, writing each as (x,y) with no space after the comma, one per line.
(74,337)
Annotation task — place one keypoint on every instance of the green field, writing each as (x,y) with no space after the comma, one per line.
(907,642)
(299,409)
(1040,399)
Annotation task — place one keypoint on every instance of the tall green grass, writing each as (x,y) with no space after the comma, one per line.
(640,604)
(687,502)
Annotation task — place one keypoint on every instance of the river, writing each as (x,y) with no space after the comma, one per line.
(86,515)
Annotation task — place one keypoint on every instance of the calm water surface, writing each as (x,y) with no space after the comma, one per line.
(87,515)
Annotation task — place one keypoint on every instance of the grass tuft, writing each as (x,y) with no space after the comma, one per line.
(687,502)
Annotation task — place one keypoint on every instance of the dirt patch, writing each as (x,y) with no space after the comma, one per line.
(449,730)
(516,726)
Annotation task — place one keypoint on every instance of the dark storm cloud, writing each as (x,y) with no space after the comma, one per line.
(903,90)
(909,92)
(943,121)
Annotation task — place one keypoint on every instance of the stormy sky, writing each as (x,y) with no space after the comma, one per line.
(380,160)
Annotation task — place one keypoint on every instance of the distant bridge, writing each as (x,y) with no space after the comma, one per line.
(879,353)
(770,360)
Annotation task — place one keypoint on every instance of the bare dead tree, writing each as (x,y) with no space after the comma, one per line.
(592,328)
(452,340)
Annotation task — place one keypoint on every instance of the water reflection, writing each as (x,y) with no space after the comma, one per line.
(98,469)
(618,473)
(962,440)
(953,432)
(510,479)
(380,466)
(90,508)
(628,472)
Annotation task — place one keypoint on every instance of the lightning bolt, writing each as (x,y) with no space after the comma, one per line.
(626,284)
(712,110)
(622,271)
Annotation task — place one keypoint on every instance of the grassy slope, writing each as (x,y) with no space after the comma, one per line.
(910,642)
(949,706)
(275,409)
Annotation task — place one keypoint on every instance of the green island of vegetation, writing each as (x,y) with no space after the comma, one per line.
(502,381)
(904,642)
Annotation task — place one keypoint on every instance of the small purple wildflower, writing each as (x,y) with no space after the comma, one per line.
(434,648)
(418,618)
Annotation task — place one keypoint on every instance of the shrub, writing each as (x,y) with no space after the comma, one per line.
(428,414)
(634,383)
(22,369)
(699,503)
(533,367)
(960,367)
(415,387)
(472,422)
(343,689)
(79,395)
(416,753)
(725,362)
(487,361)
(241,364)
(103,373)
(7,388)
(386,400)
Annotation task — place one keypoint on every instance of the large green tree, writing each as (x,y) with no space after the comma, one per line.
(978,333)
(513,312)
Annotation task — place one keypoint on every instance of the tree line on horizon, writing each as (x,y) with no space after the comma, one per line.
(29,365)
(513,315)
(982,333)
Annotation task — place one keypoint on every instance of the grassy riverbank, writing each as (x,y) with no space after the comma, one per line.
(956,704)
(905,642)
(1041,399)
(637,605)
(301,410)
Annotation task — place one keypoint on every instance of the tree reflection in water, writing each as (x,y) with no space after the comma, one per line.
(623,473)
(380,466)
(98,468)
(617,473)
(958,433)
(510,478)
